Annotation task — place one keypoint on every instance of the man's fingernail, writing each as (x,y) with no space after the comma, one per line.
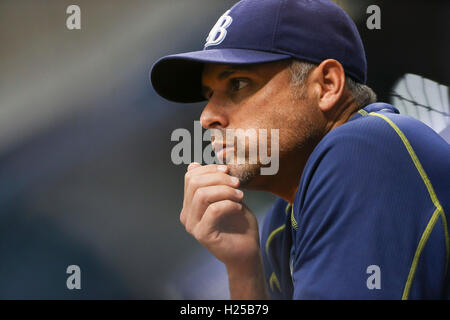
(239,193)
(222,168)
(234,180)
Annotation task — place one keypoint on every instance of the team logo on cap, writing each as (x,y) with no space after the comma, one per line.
(219,31)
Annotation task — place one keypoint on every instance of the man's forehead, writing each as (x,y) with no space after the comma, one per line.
(221,71)
(214,69)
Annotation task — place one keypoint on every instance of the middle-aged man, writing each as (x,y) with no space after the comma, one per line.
(363,191)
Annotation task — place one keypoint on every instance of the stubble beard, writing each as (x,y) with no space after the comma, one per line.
(246,173)
(294,140)
(297,140)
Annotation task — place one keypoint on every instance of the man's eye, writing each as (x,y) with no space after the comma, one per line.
(238,84)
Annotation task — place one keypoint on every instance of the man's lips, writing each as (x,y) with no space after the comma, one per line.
(220,149)
(217,146)
(222,153)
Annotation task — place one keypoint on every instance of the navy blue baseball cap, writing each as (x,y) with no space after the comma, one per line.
(261,31)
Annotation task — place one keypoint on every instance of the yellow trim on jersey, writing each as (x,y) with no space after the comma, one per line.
(274,280)
(421,245)
(288,208)
(272,235)
(439,212)
(273,277)
(293,221)
(363,112)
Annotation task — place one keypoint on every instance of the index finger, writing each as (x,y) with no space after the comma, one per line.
(194,168)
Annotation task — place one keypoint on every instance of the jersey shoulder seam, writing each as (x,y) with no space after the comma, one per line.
(439,211)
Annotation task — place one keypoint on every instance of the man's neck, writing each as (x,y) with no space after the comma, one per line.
(343,114)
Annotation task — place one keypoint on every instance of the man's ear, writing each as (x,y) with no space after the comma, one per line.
(330,80)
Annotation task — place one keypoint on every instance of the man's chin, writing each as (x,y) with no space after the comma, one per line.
(246,173)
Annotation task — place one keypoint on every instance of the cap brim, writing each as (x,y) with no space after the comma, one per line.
(178,77)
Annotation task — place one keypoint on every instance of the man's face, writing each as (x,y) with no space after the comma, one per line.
(256,97)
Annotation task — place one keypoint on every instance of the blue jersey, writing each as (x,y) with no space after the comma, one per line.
(370,216)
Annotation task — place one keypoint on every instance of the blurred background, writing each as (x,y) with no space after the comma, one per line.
(86,176)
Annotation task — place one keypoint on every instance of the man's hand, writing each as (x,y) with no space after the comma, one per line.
(213,212)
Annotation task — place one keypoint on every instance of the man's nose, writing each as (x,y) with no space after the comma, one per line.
(214,116)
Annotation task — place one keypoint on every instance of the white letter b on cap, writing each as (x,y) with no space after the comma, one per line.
(219,31)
